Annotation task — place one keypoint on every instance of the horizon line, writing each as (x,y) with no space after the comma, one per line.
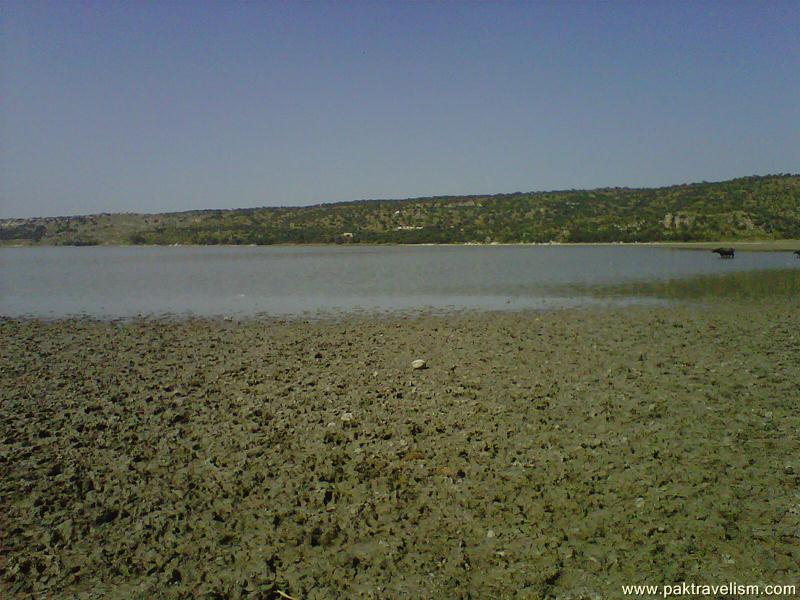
(405,199)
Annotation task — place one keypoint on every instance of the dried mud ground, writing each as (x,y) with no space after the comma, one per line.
(540,455)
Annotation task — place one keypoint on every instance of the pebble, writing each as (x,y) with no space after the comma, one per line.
(419,364)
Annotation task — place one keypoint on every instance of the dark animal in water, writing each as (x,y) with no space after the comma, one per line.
(724,252)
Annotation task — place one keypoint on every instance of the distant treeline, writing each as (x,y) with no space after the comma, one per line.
(763,207)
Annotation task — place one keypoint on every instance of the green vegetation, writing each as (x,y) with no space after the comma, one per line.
(741,286)
(748,208)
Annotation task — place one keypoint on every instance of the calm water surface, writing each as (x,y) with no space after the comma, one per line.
(291,281)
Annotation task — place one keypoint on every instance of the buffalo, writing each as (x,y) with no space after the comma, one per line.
(724,252)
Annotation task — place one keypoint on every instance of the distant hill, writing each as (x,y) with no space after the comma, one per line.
(748,208)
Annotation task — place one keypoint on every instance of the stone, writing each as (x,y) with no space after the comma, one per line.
(65,530)
(419,364)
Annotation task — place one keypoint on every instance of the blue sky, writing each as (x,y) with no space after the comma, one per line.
(150,107)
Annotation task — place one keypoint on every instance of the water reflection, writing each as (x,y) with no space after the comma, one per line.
(292,281)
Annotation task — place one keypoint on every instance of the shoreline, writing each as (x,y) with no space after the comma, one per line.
(787,245)
(558,454)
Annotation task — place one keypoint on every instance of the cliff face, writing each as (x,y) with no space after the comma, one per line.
(765,207)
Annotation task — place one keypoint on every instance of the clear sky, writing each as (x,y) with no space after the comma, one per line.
(158,106)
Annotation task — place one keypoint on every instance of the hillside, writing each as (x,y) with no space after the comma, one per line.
(748,208)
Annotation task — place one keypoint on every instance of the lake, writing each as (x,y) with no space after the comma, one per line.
(108,282)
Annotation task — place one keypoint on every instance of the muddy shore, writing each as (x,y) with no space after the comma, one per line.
(540,455)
